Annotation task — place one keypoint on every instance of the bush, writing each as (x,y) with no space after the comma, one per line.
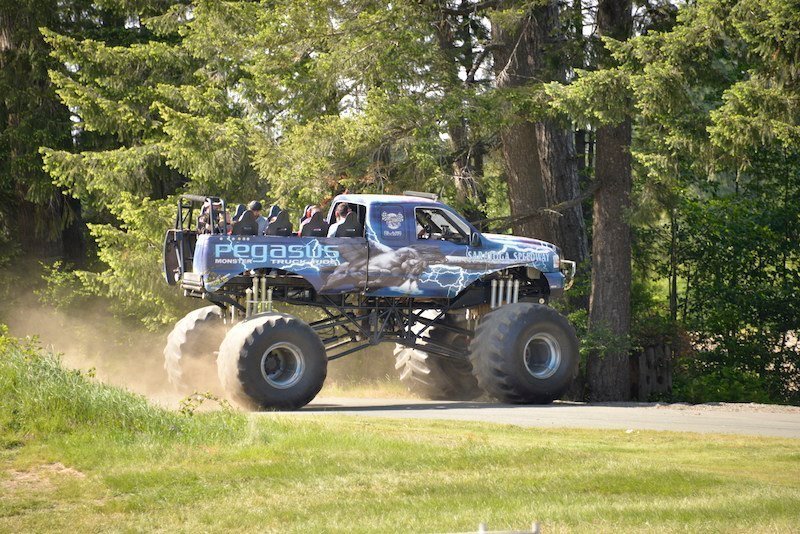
(697,383)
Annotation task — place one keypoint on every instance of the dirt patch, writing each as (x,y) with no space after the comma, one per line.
(39,477)
(732,407)
(722,407)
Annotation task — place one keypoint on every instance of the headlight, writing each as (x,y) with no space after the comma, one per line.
(556,262)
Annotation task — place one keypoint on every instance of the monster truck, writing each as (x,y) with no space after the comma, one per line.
(467,310)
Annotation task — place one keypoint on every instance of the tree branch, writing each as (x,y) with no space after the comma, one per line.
(470,79)
(471,8)
(556,210)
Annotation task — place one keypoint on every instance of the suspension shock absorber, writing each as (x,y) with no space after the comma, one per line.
(263,304)
(504,290)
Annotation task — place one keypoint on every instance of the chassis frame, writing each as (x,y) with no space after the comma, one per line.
(353,322)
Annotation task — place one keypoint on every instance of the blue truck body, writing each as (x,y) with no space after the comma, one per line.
(390,260)
(410,271)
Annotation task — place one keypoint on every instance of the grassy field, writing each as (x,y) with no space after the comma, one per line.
(76,455)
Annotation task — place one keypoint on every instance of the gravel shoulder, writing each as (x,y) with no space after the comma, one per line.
(717,418)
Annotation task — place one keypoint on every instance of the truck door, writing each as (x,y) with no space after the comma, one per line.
(420,250)
(349,273)
(442,241)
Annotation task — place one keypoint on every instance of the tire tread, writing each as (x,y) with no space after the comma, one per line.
(489,352)
(188,331)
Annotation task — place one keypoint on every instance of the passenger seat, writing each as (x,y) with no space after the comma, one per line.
(246,225)
(315,226)
(281,226)
(350,227)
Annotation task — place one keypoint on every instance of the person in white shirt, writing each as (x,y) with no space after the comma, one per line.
(341,214)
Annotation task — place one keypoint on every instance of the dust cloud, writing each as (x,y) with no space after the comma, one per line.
(124,354)
(92,339)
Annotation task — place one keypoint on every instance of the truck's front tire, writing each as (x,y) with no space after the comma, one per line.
(525,353)
(189,353)
(273,361)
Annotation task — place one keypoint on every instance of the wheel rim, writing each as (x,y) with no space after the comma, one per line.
(282,365)
(542,355)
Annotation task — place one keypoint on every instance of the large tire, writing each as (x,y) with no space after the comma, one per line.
(273,361)
(189,356)
(525,353)
(434,377)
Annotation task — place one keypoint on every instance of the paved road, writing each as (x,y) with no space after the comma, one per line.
(723,419)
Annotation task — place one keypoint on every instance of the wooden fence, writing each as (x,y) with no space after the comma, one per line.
(651,372)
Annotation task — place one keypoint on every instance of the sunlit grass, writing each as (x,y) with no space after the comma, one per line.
(151,469)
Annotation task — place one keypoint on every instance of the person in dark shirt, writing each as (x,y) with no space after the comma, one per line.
(255,207)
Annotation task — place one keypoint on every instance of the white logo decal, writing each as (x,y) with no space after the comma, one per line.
(392,220)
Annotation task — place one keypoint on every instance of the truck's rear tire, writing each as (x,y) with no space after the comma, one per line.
(434,377)
(525,353)
(189,356)
(273,361)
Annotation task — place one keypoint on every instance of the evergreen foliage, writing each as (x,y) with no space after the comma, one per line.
(715,108)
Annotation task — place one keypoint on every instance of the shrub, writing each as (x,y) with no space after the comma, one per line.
(696,382)
(40,398)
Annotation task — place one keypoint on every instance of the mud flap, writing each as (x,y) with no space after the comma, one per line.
(173,265)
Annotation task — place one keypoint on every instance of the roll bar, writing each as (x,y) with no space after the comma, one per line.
(186,205)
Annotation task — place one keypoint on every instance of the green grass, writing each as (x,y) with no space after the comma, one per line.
(142,468)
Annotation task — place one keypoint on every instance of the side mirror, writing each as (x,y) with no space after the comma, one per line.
(474,239)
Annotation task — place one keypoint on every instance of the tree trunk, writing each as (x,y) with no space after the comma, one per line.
(556,142)
(609,304)
(467,164)
(560,181)
(514,66)
(539,156)
(524,177)
(74,235)
(464,176)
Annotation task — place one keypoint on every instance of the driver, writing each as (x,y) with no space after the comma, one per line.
(423,225)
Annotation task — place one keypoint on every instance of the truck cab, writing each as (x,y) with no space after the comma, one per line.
(419,246)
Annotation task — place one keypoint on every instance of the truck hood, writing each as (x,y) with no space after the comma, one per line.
(521,241)
(509,249)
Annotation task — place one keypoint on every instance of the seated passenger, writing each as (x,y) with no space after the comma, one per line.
(255,207)
(203,226)
(310,210)
(306,213)
(223,219)
(341,214)
(315,225)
